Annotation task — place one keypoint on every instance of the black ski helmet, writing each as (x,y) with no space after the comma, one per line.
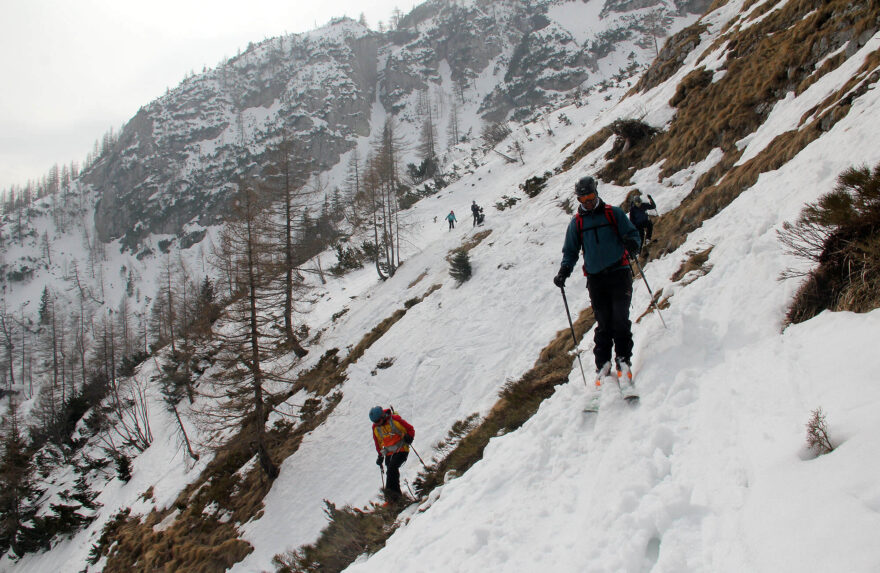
(585,186)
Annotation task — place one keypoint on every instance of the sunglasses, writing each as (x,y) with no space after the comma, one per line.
(584,199)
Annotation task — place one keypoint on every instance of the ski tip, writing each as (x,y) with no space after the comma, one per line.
(632,400)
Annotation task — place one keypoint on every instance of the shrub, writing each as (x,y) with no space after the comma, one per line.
(841,234)
(386,362)
(534,185)
(494,133)
(629,132)
(348,259)
(817,434)
(506,202)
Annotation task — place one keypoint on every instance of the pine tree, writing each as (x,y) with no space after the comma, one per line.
(251,341)
(460,266)
(18,492)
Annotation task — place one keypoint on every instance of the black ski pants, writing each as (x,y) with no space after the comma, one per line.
(392,476)
(646,231)
(610,297)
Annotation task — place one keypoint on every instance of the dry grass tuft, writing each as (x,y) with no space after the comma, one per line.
(840,235)
(696,261)
(418,279)
(470,244)
(589,145)
(204,545)
(478,238)
(350,532)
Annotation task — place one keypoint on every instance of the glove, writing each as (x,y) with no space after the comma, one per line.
(632,246)
(559,279)
(408,439)
(379,460)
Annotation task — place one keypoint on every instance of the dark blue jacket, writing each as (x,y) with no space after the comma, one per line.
(602,247)
(638,214)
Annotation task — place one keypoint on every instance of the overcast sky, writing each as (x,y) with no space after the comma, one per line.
(71,70)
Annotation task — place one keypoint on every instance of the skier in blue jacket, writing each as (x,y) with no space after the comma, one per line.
(607,238)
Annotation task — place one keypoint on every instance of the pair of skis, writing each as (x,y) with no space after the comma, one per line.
(622,380)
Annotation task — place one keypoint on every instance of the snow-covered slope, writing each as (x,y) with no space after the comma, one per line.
(709,473)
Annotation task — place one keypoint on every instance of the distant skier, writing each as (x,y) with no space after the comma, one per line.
(606,236)
(451,218)
(392,436)
(475,211)
(638,214)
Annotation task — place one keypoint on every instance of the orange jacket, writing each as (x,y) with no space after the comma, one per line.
(388,435)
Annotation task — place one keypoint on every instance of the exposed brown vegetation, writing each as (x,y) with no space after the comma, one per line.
(468,245)
(671,58)
(418,279)
(632,139)
(696,80)
(696,261)
(206,545)
(658,302)
(474,241)
(764,62)
(589,145)
(840,234)
(350,532)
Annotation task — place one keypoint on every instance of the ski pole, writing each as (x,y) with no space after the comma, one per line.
(418,456)
(382,471)
(653,302)
(636,259)
(573,336)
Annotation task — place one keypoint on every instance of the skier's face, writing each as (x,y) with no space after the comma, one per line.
(589,201)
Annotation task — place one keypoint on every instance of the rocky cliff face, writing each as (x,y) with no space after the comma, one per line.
(179,158)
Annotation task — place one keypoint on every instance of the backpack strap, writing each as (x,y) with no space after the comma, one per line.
(609,214)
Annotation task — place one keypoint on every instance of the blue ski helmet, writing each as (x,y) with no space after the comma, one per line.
(376,414)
